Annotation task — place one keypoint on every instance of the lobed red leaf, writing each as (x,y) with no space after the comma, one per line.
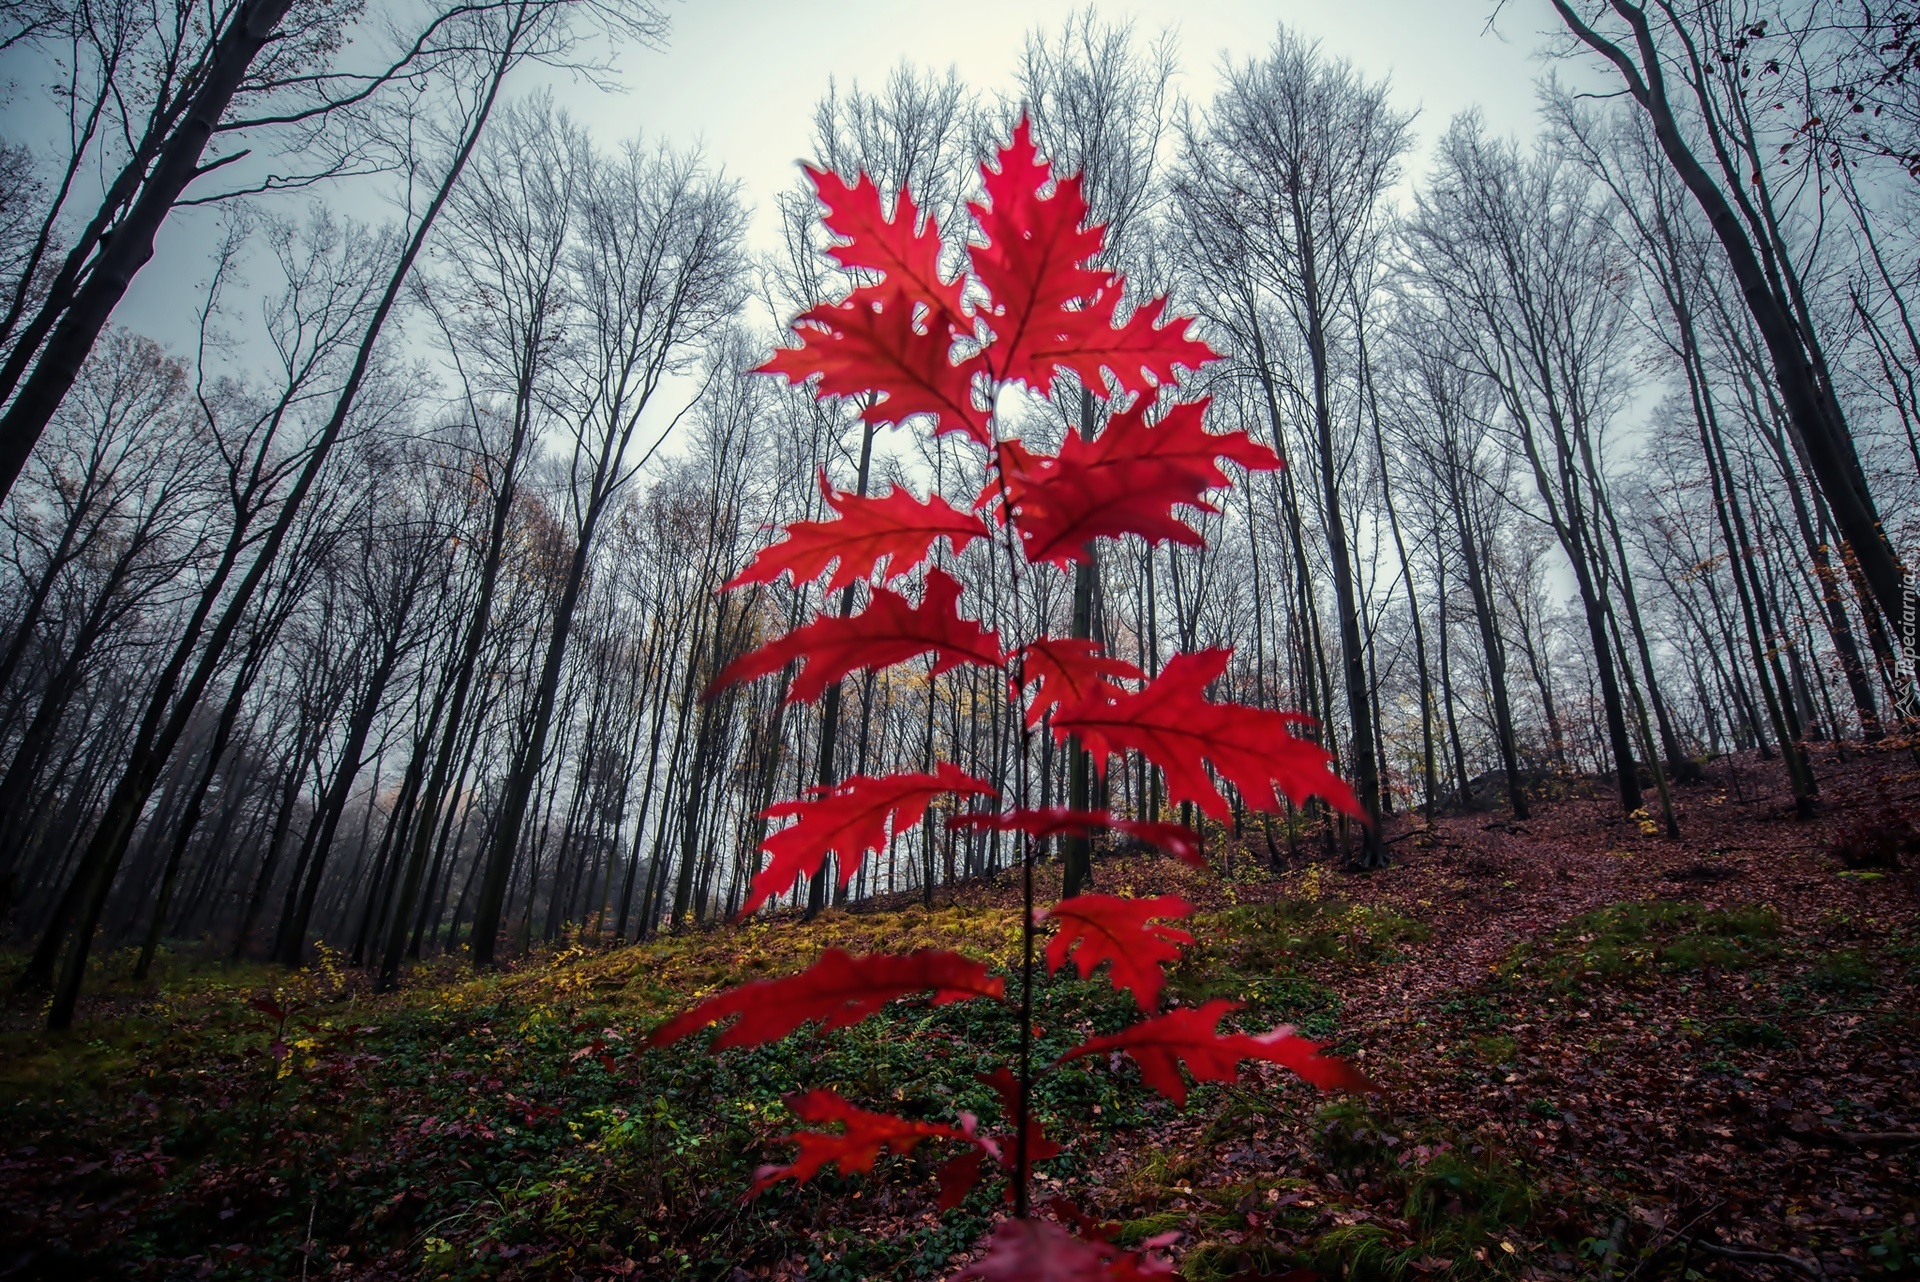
(1034,260)
(1172,723)
(1328,1072)
(1190,1034)
(905,249)
(1069,669)
(854,1149)
(1127,480)
(1096,929)
(896,528)
(849,820)
(890,630)
(875,345)
(1158,1046)
(1141,353)
(838,990)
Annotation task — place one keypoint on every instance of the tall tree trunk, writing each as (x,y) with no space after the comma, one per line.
(1794,353)
(291,945)
(126,250)
(825,774)
(155,742)
(1463,788)
(190,818)
(1373,851)
(1490,643)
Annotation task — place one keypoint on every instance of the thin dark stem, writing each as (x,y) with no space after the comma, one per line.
(1024,1122)
(1020,1165)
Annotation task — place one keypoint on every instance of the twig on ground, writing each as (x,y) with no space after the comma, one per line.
(1812,1268)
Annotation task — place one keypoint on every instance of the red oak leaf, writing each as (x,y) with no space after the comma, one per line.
(904,249)
(854,1149)
(875,342)
(1328,1072)
(1127,480)
(958,1175)
(1034,260)
(1108,928)
(1158,1046)
(1171,722)
(890,630)
(896,528)
(1177,840)
(1042,1251)
(1007,1087)
(838,990)
(1067,670)
(1141,353)
(849,820)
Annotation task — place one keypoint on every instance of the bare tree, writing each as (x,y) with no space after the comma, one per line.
(1686,66)
(1101,105)
(657,271)
(1299,153)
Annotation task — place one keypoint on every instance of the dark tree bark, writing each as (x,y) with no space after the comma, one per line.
(123,253)
(158,732)
(1794,352)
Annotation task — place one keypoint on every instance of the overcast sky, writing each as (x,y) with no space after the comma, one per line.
(742,77)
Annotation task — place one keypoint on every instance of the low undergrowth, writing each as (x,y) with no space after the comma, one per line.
(1647,942)
(1637,1062)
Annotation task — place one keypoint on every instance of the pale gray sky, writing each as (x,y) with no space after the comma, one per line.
(741,78)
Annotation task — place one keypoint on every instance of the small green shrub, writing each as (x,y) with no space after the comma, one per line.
(1759,1033)
(1846,971)
(1486,1191)
(1133,1232)
(1496,1049)
(1351,1138)
(1365,1253)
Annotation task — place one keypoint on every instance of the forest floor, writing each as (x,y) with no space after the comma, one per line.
(1605,1055)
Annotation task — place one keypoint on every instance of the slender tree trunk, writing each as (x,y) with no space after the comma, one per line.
(155,743)
(825,775)
(1461,784)
(1793,352)
(1496,654)
(130,245)
(290,948)
(190,818)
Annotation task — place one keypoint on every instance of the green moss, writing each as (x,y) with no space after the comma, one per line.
(1133,1232)
(1496,1049)
(1846,971)
(1459,1192)
(1741,1031)
(1218,1261)
(1626,941)
(1281,935)
(1365,1253)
